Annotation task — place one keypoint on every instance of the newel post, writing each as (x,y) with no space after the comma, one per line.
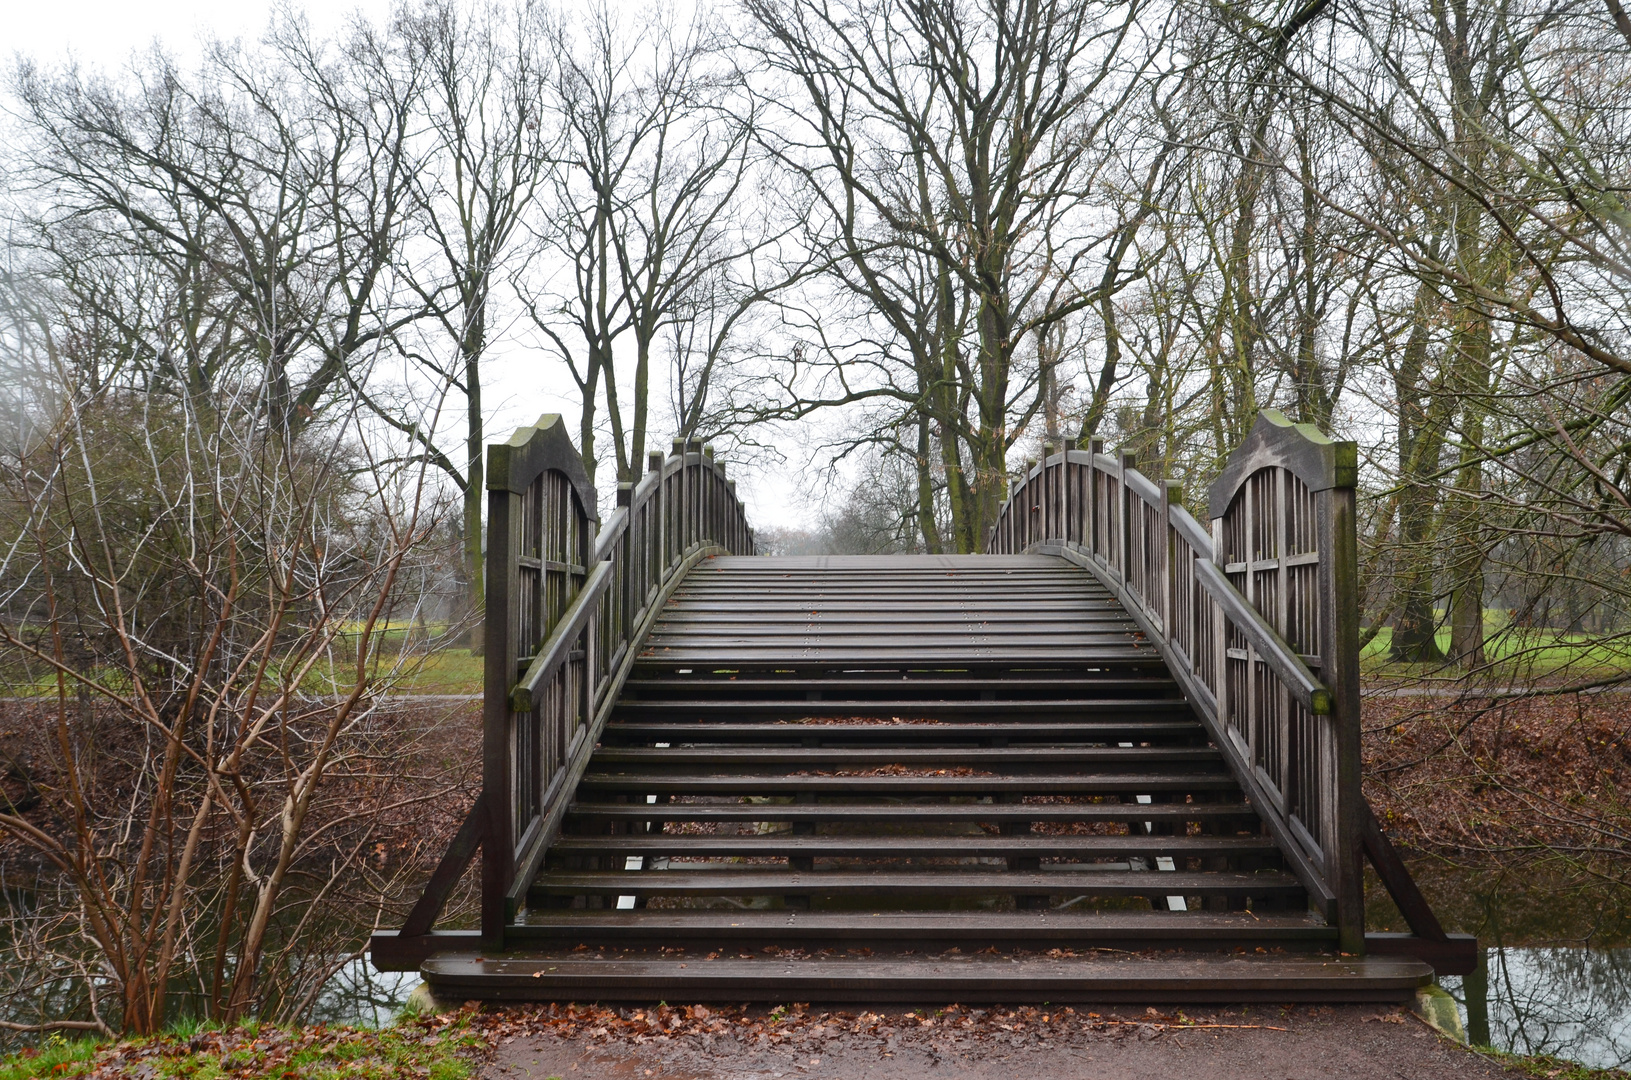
(499,664)
(1339,593)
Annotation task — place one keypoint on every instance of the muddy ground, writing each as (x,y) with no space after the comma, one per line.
(1240,1043)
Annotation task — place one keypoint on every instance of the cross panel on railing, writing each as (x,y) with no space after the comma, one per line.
(1245,614)
(567,607)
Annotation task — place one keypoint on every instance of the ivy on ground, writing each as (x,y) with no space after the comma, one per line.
(431,1048)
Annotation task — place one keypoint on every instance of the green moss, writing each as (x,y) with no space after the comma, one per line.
(1550,1068)
(263,1050)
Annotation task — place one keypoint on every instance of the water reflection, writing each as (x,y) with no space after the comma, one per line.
(1573,1003)
(361,996)
(1555,976)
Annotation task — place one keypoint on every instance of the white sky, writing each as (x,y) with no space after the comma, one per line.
(103,34)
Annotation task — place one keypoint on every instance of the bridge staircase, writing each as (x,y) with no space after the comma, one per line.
(909,778)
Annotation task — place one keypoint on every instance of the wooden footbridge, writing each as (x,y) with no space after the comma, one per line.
(1115,760)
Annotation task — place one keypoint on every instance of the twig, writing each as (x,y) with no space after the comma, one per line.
(1190,1027)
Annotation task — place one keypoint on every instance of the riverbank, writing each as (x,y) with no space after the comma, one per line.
(1499,780)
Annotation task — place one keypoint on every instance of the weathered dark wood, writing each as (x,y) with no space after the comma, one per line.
(930,980)
(889,931)
(778,845)
(733,758)
(1136,713)
(960,733)
(473,831)
(1457,954)
(945,883)
(1397,880)
(916,813)
(565,610)
(390,951)
(905,786)
(1257,618)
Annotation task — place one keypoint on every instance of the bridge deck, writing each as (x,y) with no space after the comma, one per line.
(880,777)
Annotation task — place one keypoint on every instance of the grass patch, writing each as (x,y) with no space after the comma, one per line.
(446,671)
(1546,1067)
(436,1048)
(1514,654)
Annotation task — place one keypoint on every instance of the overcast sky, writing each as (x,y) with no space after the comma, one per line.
(102,33)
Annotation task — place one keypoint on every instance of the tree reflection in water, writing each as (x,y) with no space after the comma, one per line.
(357,994)
(1572,1003)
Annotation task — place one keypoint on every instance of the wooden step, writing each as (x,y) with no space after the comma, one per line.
(988,711)
(921,643)
(781,845)
(894,931)
(685,880)
(818,655)
(928,980)
(591,813)
(1016,683)
(790,758)
(600,784)
(964,733)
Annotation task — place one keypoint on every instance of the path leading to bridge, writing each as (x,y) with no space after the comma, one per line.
(1268,1043)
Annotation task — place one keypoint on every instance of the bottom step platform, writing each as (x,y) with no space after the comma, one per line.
(924,980)
(924,931)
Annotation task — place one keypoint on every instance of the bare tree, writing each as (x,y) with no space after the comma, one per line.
(485,81)
(647,211)
(950,152)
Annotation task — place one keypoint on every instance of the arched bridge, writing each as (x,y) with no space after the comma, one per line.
(1118,759)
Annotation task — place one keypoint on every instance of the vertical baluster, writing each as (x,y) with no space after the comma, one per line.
(1172,494)
(1220,630)
(654,527)
(1067,525)
(1095,447)
(1124,499)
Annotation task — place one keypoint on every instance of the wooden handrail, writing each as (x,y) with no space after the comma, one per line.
(571,602)
(1271,647)
(557,648)
(1276,683)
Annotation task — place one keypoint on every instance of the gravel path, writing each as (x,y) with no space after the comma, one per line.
(1297,1043)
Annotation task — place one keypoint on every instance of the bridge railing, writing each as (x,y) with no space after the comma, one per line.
(1257,618)
(567,602)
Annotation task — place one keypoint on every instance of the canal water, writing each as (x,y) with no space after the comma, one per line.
(1555,976)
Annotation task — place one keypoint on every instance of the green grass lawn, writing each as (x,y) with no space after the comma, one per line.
(1526,654)
(446,671)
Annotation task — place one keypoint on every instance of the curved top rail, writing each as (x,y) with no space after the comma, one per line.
(1249,615)
(1319,462)
(545,445)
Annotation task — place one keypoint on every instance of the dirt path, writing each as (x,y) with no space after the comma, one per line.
(1299,1043)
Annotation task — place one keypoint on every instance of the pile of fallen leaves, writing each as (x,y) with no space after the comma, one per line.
(798,1024)
(1502,778)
